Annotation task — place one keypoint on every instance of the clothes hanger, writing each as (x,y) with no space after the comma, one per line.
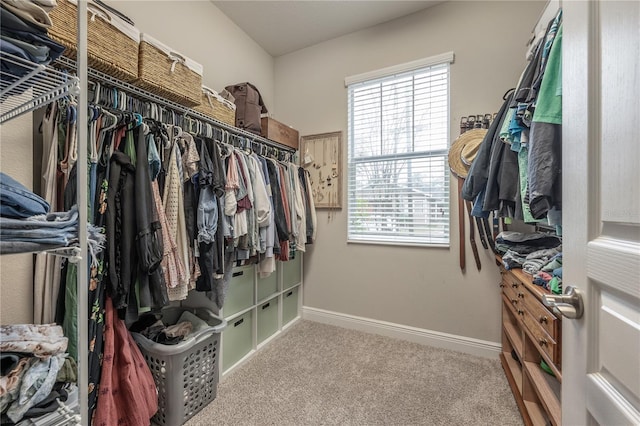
(122,100)
(96,93)
(112,117)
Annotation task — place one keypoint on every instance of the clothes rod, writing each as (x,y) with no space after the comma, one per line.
(95,75)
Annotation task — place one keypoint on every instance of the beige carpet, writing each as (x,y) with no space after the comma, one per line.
(316,374)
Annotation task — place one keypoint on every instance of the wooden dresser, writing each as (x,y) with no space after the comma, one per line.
(531,333)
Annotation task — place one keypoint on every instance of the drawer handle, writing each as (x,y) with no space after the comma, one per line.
(543,342)
(514,301)
(520,312)
(521,295)
(501,285)
(266,305)
(514,285)
(237,323)
(237,274)
(544,319)
(288,294)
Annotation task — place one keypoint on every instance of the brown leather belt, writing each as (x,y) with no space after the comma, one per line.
(481,231)
(461,225)
(472,236)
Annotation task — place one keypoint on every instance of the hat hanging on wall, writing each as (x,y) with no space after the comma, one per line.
(464,150)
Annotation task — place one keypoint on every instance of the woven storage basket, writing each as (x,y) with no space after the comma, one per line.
(215,106)
(112,44)
(167,73)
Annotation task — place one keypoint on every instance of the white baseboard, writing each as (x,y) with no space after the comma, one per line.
(437,339)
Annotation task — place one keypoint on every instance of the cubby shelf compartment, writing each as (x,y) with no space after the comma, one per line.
(548,394)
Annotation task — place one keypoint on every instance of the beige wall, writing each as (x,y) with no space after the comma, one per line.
(195,28)
(16,270)
(420,287)
(202,32)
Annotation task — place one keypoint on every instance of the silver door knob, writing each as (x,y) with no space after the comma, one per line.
(568,304)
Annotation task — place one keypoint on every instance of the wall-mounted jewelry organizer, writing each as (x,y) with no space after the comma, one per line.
(321,155)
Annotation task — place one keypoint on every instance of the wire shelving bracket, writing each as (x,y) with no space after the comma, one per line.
(38,86)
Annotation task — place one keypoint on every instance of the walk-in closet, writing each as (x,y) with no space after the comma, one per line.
(310,212)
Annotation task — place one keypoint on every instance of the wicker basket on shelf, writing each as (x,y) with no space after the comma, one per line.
(167,73)
(215,106)
(112,44)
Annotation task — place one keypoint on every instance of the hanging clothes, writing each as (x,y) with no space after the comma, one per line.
(46,280)
(267,263)
(545,154)
(517,171)
(301,219)
(128,393)
(173,203)
(190,168)
(210,221)
(173,270)
(96,295)
(278,201)
(135,248)
(120,223)
(310,208)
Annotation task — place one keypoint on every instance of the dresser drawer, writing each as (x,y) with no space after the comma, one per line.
(513,307)
(543,316)
(512,296)
(512,282)
(541,338)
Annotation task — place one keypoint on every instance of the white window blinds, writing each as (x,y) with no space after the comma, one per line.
(398,188)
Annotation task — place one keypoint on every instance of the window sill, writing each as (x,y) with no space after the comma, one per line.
(400,244)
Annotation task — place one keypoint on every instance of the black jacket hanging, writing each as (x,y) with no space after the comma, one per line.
(149,234)
(278,204)
(207,258)
(120,223)
(478,175)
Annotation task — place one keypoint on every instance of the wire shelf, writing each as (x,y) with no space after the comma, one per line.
(72,253)
(188,113)
(25,86)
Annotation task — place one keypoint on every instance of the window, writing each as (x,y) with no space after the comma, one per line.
(398,132)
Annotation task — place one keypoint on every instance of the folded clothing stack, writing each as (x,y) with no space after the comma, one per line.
(36,371)
(550,275)
(24,34)
(517,248)
(26,225)
(17,202)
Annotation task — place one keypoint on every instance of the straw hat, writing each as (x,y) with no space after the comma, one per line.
(464,150)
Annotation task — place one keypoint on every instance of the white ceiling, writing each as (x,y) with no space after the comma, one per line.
(281,27)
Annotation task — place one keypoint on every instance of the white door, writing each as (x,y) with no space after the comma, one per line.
(601,203)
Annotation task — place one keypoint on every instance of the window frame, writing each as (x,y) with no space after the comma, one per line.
(413,66)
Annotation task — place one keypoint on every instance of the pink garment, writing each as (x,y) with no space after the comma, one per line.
(127,394)
(233,180)
(545,276)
